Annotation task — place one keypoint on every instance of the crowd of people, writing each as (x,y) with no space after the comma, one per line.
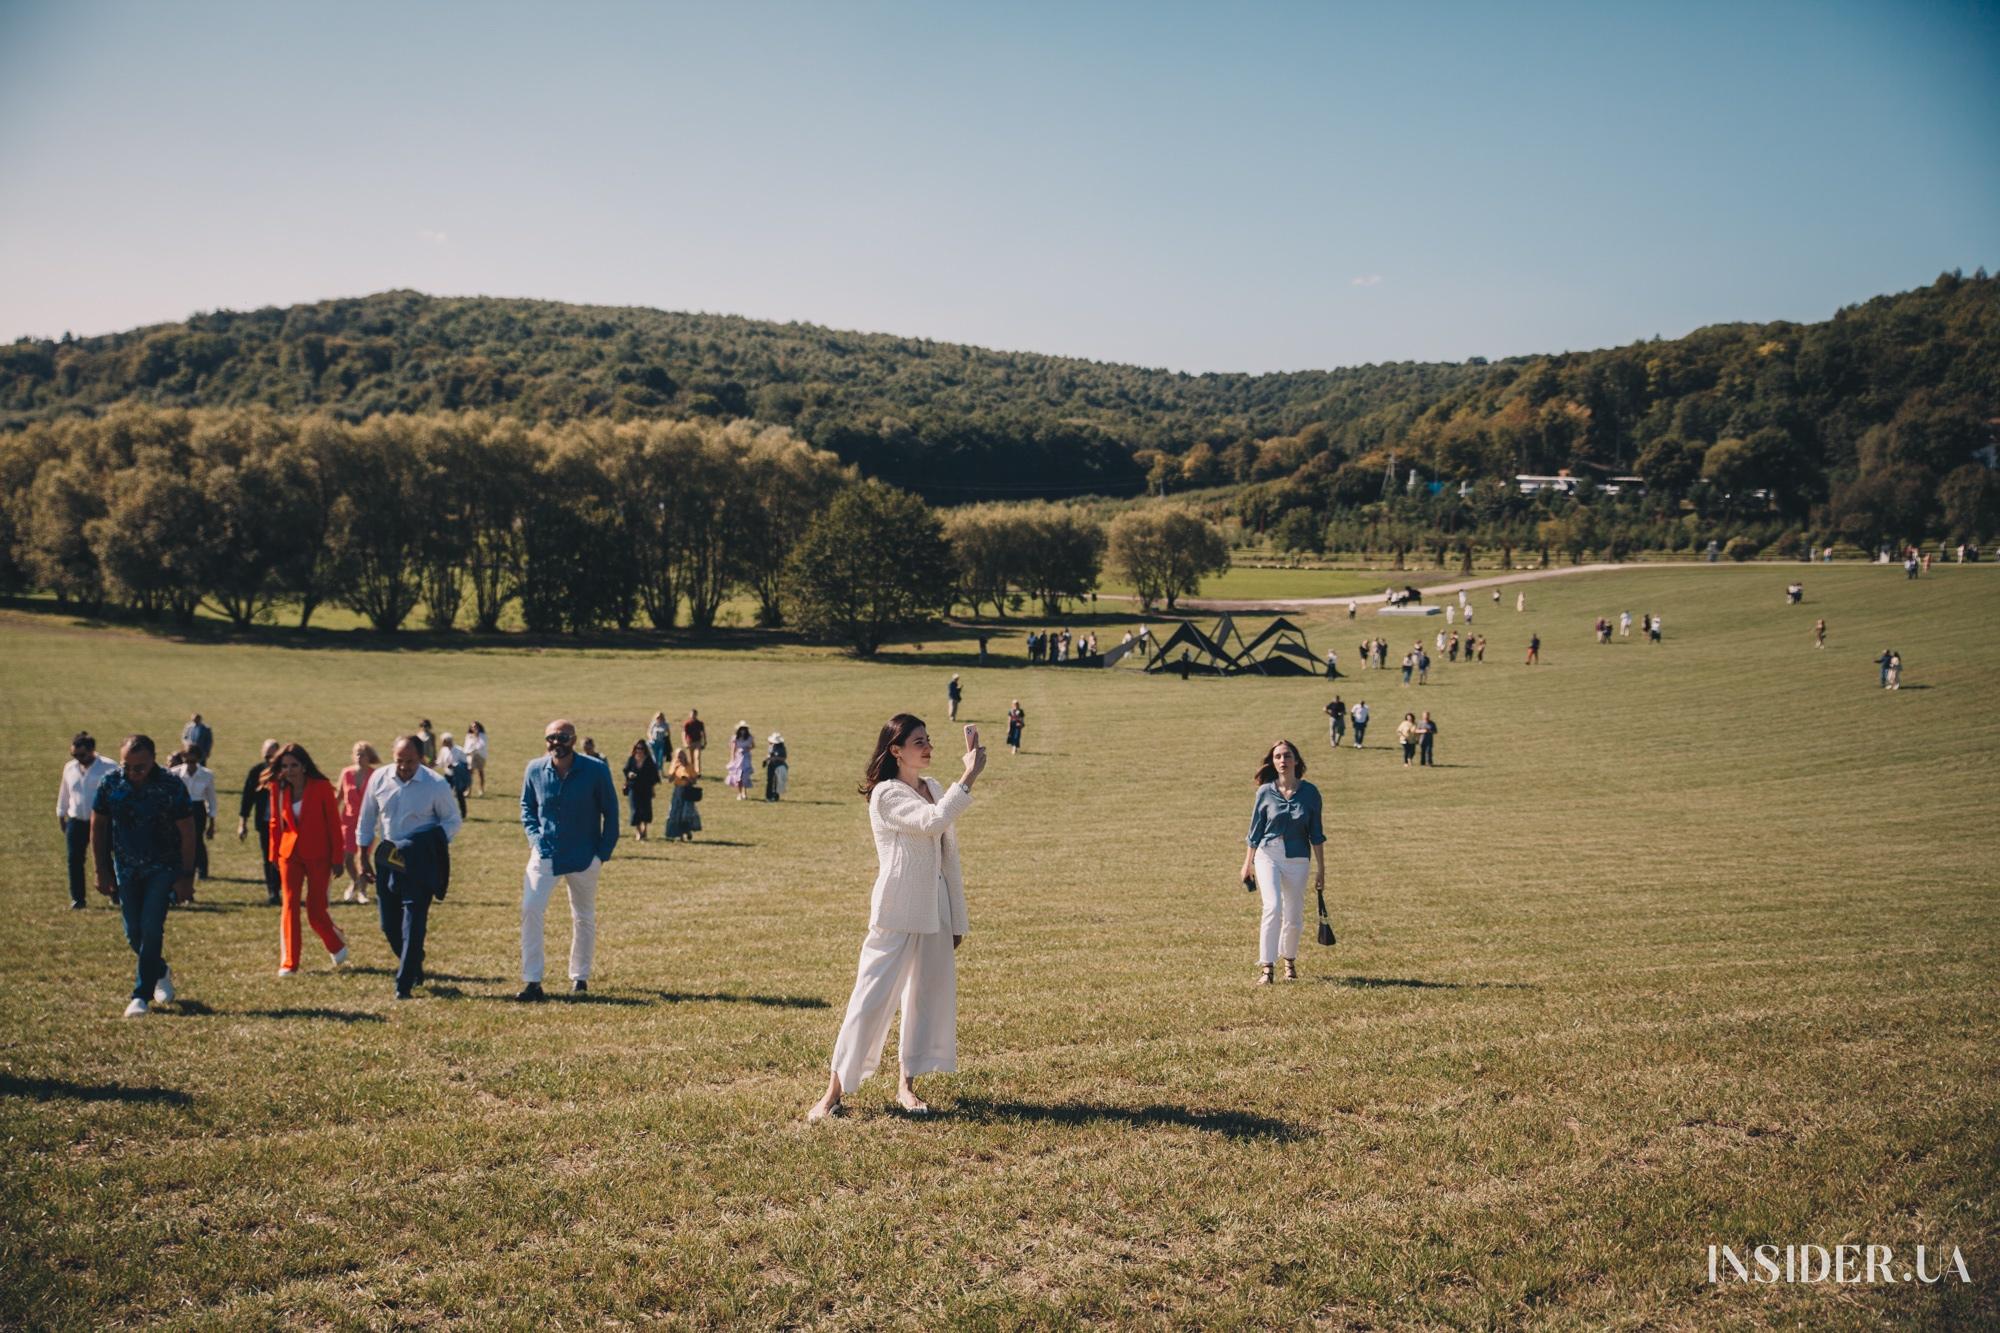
(145,828)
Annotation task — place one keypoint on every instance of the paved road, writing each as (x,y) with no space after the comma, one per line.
(1431,590)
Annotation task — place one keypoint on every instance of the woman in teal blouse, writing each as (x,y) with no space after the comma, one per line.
(1286,837)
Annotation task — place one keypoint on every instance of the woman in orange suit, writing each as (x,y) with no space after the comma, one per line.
(306,844)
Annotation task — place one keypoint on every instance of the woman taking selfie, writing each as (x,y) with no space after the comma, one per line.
(918,905)
(1285,838)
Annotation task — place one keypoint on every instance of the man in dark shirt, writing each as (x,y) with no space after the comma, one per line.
(1427,731)
(1336,714)
(198,736)
(257,801)
(142,832)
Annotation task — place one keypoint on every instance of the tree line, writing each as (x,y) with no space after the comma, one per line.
(451,519)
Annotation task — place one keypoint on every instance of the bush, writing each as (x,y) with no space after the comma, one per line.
(1741,548)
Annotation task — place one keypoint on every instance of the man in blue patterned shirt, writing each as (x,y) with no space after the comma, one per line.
(142,831)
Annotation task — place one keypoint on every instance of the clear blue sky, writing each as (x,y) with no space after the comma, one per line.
(1203,187)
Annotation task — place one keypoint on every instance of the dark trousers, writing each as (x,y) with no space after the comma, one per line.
(1424,751)
(405,909)
(143,899)
(201,842)
(77,834)
(270,866)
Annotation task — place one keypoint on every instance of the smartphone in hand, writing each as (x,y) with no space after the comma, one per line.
(971,736)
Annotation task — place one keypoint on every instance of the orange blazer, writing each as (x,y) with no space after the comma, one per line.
(314,833)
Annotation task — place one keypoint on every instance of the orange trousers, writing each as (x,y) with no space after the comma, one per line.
(312,877)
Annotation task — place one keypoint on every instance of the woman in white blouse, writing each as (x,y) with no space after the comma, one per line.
(919,900)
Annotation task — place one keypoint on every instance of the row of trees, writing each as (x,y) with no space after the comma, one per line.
(461,515)
(454,518)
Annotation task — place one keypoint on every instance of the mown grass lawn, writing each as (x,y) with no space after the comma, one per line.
(1681,945)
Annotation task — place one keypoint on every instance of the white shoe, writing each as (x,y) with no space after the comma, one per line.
(340,959)
(136,1009)
(163,993)
(348,897)
(288,971)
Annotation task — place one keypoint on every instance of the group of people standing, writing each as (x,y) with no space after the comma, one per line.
(1060,646)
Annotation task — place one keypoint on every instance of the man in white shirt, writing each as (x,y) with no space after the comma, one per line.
(81,777)
(412,811)
(200,784)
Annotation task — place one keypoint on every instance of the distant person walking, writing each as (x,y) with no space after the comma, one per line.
(200,784)
(1016,722)
(777,767)
(427,741)
(659,741)
(256,802)
(1819,632)
(1286,839)
(694,736)
(1336,721)
(142,840)
(916,918)
(475,753)
(411,811)
(1534,649)
(1888,656)
(1359,716)
(741,761)
(1409,665)
(306,843)
(1653,631)
(1332,665)
(1406,736)
(1624,624)
(454,768)
(76,795)
(1896,671)
(1521,600)
(199,737)
(642,779)
(353,783)
(1427,731)
(683,808)
(569,809)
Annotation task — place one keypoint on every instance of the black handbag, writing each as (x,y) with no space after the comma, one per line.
(1325,925)
(693,793)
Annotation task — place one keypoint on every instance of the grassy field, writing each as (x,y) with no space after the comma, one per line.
(1681,945)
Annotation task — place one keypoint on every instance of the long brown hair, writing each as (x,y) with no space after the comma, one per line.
(1268,770)
(882,765)
(298,752)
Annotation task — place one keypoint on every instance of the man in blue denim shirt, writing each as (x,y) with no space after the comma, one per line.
(142,831)
(569,806)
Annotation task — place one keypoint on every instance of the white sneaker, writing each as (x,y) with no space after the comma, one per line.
(164,992)
(136,1009)
(340,959)
(288,971)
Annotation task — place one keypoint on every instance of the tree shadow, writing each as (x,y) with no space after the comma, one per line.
(769,1001)
(52,1089)
(1417,983)
(1237,1125)
(331,1015)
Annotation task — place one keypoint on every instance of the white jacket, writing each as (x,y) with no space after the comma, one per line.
(915,843)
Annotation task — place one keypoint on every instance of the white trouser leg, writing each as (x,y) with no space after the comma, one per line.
(1281,883)
(536,885)
(887,957)
(929,1041)
(583,919)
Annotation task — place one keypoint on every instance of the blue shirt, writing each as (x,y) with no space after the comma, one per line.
(1295,822)
(145,821)
(570,820)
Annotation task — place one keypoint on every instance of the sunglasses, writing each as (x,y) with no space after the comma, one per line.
(560,737)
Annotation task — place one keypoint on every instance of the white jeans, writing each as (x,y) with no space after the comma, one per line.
(921,970)
(536,886)
(1281,881)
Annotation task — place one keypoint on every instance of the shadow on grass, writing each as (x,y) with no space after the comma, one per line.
(768,1001)
(1417,983)
(193,1009)
(331,1015)
(372,970)
(203,906)
(1238,1125)
(700,841)
(52,1089)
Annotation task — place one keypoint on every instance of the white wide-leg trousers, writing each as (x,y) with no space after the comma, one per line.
(1281,881)
(536,887)
(922,972)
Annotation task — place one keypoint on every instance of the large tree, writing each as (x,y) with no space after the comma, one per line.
(872,563)
(1164,553)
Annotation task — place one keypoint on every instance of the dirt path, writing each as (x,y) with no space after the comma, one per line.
(1430,590)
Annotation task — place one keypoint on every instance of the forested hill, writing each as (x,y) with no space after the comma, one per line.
(1794,402)
(940,417)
